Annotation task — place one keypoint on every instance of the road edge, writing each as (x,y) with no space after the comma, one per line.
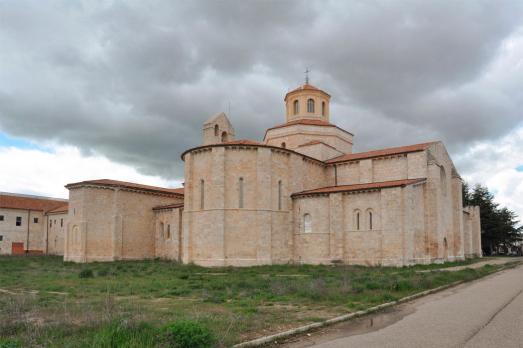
(302,329)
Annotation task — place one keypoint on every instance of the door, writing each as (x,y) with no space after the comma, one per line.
(17,248)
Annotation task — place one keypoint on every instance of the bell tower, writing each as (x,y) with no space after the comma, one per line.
(307,102)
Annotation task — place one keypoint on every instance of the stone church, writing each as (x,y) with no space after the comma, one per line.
(299,196)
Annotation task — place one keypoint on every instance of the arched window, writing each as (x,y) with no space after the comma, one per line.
(307,223)
(296,107)
(224,137)
(370,220)
(357,220)
(323,108)
(279,195)
(202,194)
(283,145)
(216,130)
(443,180)
(310,105)
(168,231)
(240,189)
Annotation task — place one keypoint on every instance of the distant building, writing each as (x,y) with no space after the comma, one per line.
(32,224)
(300,196)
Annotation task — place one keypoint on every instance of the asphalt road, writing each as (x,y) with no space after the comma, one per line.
(485,313)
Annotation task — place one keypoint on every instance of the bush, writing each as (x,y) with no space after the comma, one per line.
(86,273)
(188,334)
(125,334)
(9,343)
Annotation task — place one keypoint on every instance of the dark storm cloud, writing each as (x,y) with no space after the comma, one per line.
(135,80)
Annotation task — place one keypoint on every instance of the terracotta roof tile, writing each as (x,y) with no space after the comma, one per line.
(124,184)
(316,142)
(13,201)
(305,87)
(242,142)
(358,187)
(382,152)
(62,209)
(307,122)
(169,206)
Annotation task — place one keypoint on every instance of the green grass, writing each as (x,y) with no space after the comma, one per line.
(49,303)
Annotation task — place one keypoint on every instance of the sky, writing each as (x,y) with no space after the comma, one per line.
(119,89)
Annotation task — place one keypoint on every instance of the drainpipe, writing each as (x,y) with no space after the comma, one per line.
(27,244)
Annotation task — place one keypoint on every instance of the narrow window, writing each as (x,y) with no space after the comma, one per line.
(35,220)
(307,223)
(50,223)
(216,130)
(1,238)
(224,137)
(168,231)
(240,189)
(161,231)
(370,220)
(283,145)
(74,211)
(61,222)
(18,221)
(1,218)
(310,105)
(358,221)
(323,108)
(296,107)
(279,195)
(202,194)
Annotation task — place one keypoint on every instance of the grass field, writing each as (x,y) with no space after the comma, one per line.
(46,302)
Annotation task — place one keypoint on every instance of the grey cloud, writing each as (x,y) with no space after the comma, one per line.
(135,80)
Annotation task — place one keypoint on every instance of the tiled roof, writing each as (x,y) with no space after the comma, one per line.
(307,122)
(242,142)
(13,201)
(62,209)
(169,206)
(316,142)
(305,87)
(382,152)
(358,187)
(124,184)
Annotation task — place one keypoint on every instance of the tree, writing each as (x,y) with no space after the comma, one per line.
(499,226)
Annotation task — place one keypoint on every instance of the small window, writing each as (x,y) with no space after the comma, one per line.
(307,223)
(240,189)
(50,223)
(224,137)
(279,195)
(18,221)
(168,231)
(323,108)
(310,105)
(1,218)
(35,220)
(161,231)
(357,220)
(61,222)
(296,107)
(202,194)
(283,145)
(1,238)
(216,130)
(370,220)
(74,211)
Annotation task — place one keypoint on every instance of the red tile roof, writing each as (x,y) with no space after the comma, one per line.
(62,209)
(379,153)
(124,184)
(307,122)
(359,187)
(169,206)
(316,142)
(305,87)
(13,201)
(242,142)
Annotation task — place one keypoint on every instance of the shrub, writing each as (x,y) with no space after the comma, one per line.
(125,334)
(188,334)
(9,343)
(86,273)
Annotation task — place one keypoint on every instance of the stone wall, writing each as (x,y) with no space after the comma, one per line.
(30,233)
(168,233)
(55,233)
